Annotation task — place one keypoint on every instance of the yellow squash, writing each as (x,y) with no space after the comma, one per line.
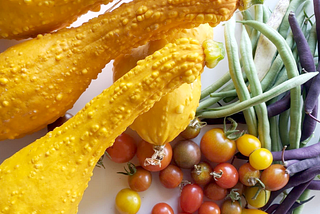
(21,19)
(41,79)
(172,114)
(50,175)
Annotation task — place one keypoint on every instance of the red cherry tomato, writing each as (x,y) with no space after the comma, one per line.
(274,177)
(171,176)
(141,180)
(162,208)
(123,149)
(214,192)
(145,151)
(191,198)
(209,207)
(226,175)
(216,147)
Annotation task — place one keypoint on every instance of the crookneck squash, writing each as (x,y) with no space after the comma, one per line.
(49,176)
(172,114)
(40,79)
(21,19)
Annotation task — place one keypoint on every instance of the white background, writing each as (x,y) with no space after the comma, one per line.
(99,196)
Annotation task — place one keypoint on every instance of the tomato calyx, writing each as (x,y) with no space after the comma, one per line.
(234,195)
(217,175)
(232,133)
(157,156)
(130,171)
(196,123)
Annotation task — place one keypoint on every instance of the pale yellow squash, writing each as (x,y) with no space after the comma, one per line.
(172,114)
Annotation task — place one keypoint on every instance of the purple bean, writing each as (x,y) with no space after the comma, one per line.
(304,52)
(272,208)
(309,124)
(290,162)
(279,106)
(314,90)
(302,165)
(291,198)
(313,94)
(314,185)
(300,153)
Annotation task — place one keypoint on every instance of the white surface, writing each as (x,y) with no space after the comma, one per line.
(99,196)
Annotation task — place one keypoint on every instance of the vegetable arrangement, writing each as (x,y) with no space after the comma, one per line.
(42,78)
(66,156)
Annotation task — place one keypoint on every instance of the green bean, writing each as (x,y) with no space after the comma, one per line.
(266,13)
(216,85)
(277,63)
(246,15)
(223,94)
(283,127)
(284,27)
(264,97)
(254,36)
(250,70)
(291,67)
(236,74)
(207,103)
(275,134)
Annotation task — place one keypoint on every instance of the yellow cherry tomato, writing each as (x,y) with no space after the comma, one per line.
(247,143)
(252,211)
(261,158)
(256,197)
(128,201)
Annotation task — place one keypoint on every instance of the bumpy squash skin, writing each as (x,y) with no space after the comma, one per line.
(173,112)
(41,79)
(50,175)
(21,19)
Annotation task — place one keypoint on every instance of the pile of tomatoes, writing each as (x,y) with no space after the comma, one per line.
(215,183)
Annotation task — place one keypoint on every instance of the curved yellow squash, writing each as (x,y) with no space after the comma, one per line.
(172,114)
(21,19)
(41,79)
(50,175)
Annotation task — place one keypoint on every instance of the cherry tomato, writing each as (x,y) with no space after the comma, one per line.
(209,207)
(214,192)
(162,208)
(255,198)
(230,207)
(146,150)
(193,129)
(123,149)
(128,201)
(274,177)
(261,158)
(171,176)
(225,175)
(140,180)
(252,211)
(191,198)
(186,154)
(201,173)
(216,147)
(247,143)
(248,175)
